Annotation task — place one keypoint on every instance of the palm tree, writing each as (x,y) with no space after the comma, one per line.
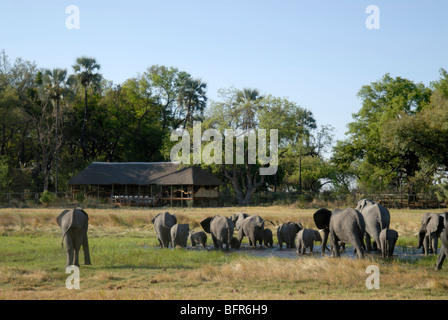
(86,74)
(192,98)
(248,104)
(55,85)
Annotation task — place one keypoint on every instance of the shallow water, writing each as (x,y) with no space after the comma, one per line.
(404,253)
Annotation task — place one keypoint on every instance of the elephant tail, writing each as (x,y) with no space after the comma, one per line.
(270,222)
(71,213)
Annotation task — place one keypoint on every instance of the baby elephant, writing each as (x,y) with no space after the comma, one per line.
(179,235)
(235,243)
(388,238)
(305,239)
(268,238)
(198,238)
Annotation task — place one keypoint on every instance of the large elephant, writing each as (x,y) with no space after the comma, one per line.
(74,224)
(443,230)
(388,238)
(287,233)
(377,218)
(221,228)
(162,224)
(179,235)
(252,227)
(428,235)
(342,226)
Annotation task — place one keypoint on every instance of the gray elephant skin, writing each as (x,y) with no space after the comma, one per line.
(162,224)
(179,235)
(377,218)
(306,239)
(342,226)
(74,224)
(198,238)
(388,239)
(252,227)
(443,233)
(428,235)
(221,228)
(287,233)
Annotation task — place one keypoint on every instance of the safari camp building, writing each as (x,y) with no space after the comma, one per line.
(148,184)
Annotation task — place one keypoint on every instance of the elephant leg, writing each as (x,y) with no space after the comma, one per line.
(357,244)
(311,247)
(441,257)
(324,243)
(70,248)
(426,246)
(334,245)
(85,249)
(434,244)
(215,241)
(368,242)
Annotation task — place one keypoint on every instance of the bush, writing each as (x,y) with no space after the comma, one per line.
(47,198)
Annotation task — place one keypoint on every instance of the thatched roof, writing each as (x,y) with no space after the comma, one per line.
(143,173)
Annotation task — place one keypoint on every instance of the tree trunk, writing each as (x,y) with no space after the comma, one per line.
(83,147)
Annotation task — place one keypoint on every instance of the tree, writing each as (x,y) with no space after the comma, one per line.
(87,76)
(56,86)
(377,165)
(192,97)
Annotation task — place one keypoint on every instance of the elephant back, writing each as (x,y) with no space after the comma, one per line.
(165,220)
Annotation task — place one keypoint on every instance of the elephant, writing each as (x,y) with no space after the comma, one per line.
(74,224)
(342,226)
(305,239)
(238,219)
(428,234)
(253,228)
(287,233)
(162,224)
(268,239)
(377,218)
(234,243)
(221,228)
(179,235)
(199,237)
(443,230)
(388,238)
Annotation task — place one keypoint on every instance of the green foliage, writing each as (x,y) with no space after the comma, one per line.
(396,140)
(47,197)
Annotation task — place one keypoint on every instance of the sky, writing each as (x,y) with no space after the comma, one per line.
(317,53)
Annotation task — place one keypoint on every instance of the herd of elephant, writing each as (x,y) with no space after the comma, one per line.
(369,221)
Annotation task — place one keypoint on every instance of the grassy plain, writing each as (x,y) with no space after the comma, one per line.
(127,263)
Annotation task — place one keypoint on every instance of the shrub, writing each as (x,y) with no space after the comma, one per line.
(47,198)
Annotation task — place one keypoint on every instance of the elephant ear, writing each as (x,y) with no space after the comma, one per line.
(434,222)
(154,219)
(322,218)
(61,215)
(206,224)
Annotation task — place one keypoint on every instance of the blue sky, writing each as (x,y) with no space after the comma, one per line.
(317,53)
